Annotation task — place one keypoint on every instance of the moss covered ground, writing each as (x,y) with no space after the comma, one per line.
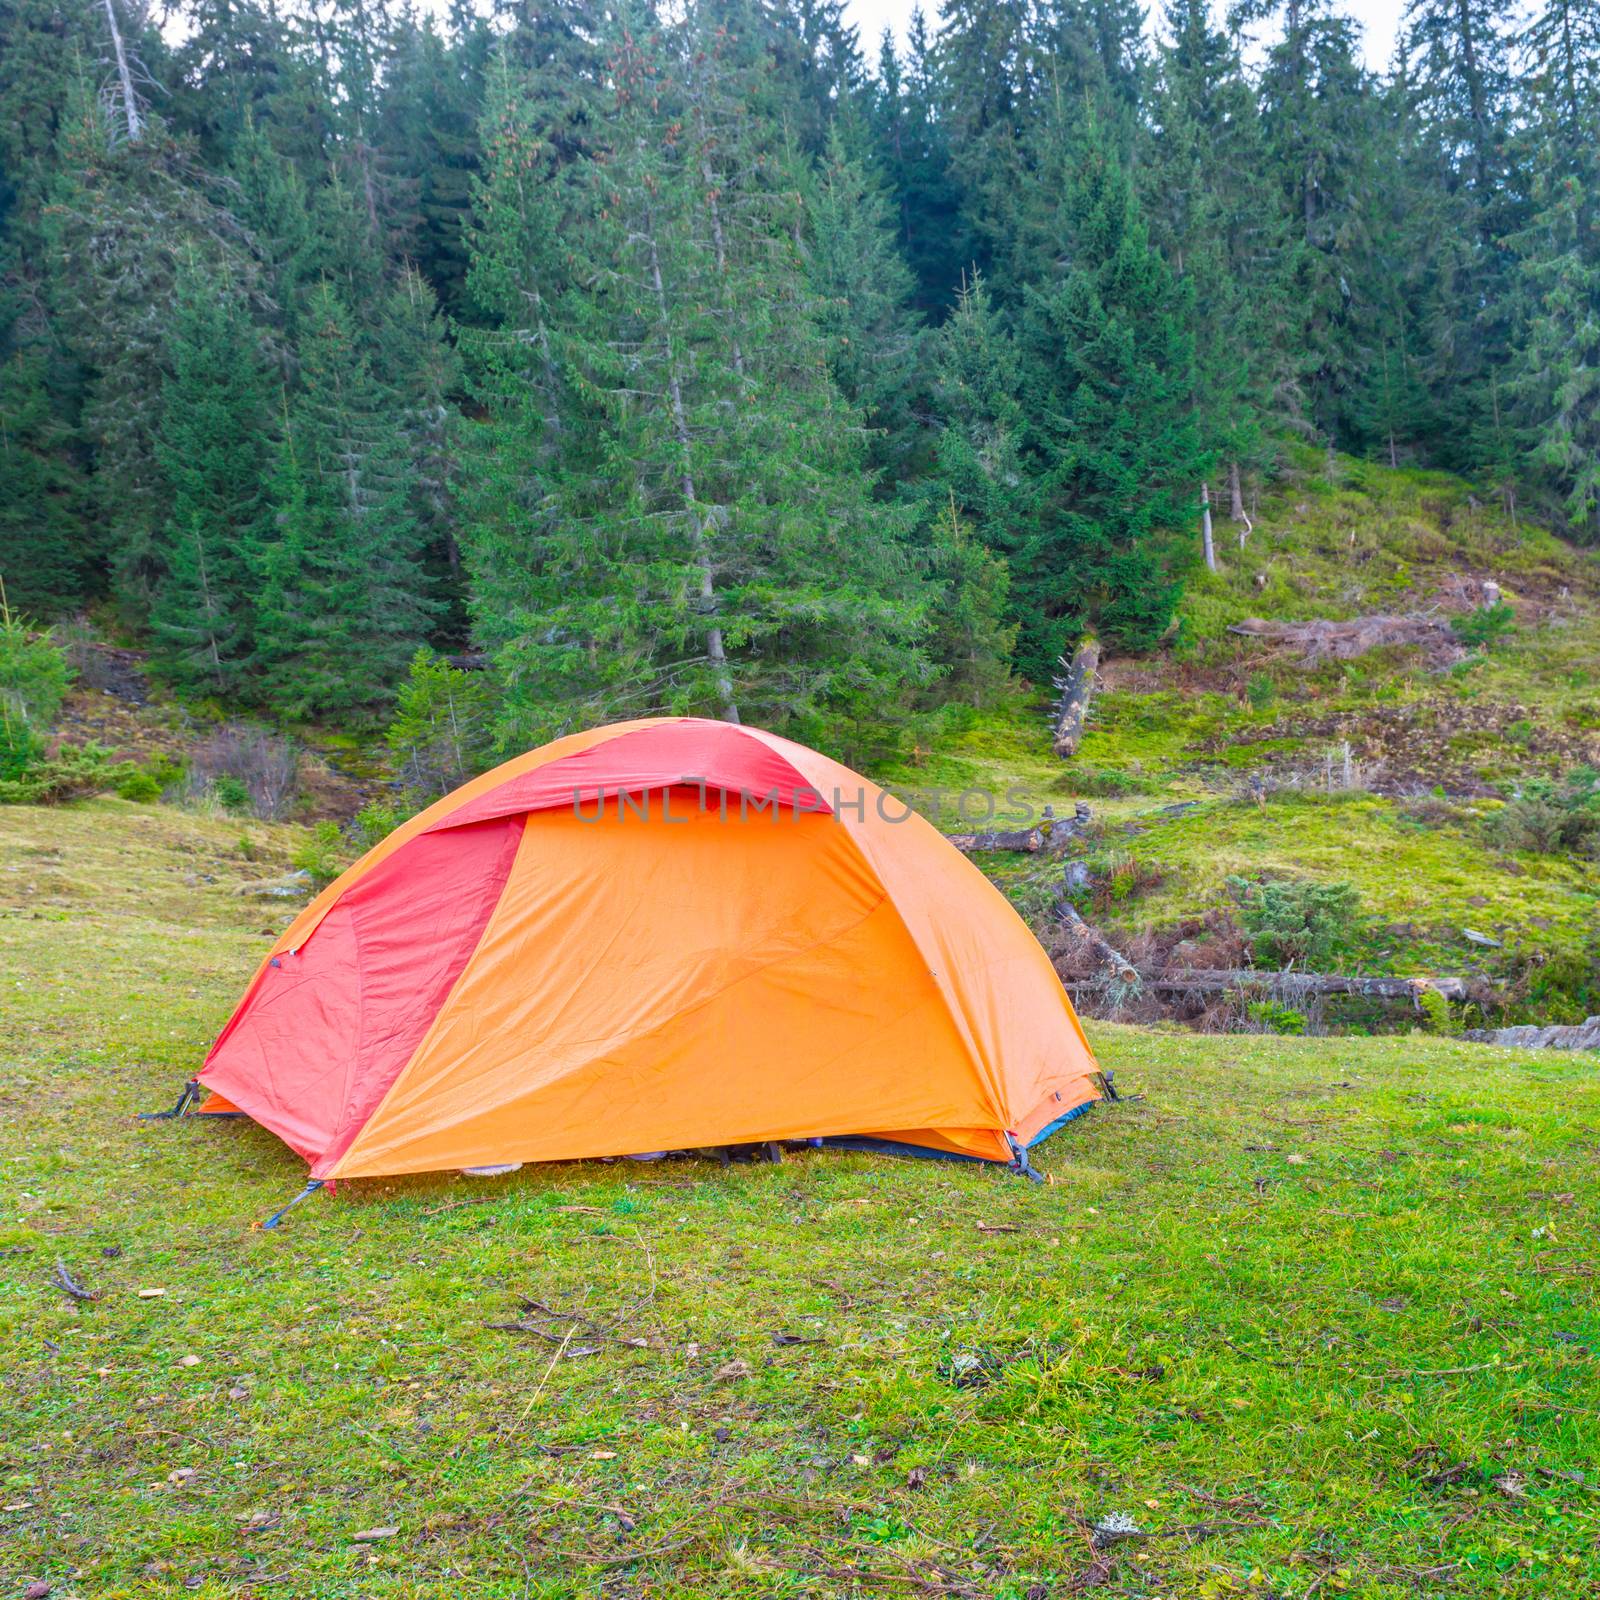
(1316,1316)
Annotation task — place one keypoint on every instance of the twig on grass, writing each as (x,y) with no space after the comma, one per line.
(670,1548)
(533,1399)
(1231,1502)
(1442,1372)
(69,1286)
(451,1205)
(910,1580)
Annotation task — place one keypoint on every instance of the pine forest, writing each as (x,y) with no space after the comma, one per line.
(711,359)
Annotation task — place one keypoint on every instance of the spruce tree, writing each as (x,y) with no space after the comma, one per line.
(232,65)
(1317,123)
(270,201)
(709,543)
(863,289)
(1094,51)
(1458,70)
(1458,54)
(970,636)
(1554,383)
(914,156)
(1106,358)
(414,360)
(513,347)
(433,94)
(1216,221)
(977,383)
(213,449)
(1388,408)
(126,214)
(343,605)
(987,69)
(1561,46)
(48,555)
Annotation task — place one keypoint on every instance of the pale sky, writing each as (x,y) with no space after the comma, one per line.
(1378,18)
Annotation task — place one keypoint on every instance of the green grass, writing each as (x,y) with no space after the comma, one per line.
(1319,1315)
(1432,880)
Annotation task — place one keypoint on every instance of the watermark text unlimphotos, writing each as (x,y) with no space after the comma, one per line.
(681,802)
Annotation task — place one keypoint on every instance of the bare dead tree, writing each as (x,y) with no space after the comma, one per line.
(127,66)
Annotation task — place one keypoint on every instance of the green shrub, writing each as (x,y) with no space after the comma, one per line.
(1104,783)
(150,781)
(34,678)
(1437,1017)
(322,854)
(1276,1018)
(1552,816)
(1484,628)
(1261,691)
(440,735)
(231,793)
(73,773)
(376,820)
(140,785)
(1565,985)
(1297,922)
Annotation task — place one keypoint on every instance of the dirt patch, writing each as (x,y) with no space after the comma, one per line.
(1441,741)
(115,705)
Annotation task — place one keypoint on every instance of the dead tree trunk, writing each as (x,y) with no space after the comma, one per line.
(1077,690)
(130,100)
(1107,957)
(1205,528)
(1028,840)
(716,652)
(1235,494)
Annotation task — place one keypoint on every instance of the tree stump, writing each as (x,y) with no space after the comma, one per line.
(1077,690)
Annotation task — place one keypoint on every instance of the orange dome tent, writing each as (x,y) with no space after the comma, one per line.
(662,934)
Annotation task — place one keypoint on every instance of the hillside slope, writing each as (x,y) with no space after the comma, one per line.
(1222,756)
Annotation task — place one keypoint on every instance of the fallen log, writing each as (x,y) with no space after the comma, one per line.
(1026,839)
(1574,1036)
(1050,833)
(1090,938)
(1291,985)
(1322,640)
(1077,690)
(1059,832)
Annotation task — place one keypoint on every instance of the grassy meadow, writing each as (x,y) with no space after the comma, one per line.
(1316,1317)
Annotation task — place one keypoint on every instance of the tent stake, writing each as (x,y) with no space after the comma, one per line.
(190,1094)
(278,1215)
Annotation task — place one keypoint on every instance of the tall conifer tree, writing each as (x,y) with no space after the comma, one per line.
(1106,354)
(343,602)
(707,545)
(213,451)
